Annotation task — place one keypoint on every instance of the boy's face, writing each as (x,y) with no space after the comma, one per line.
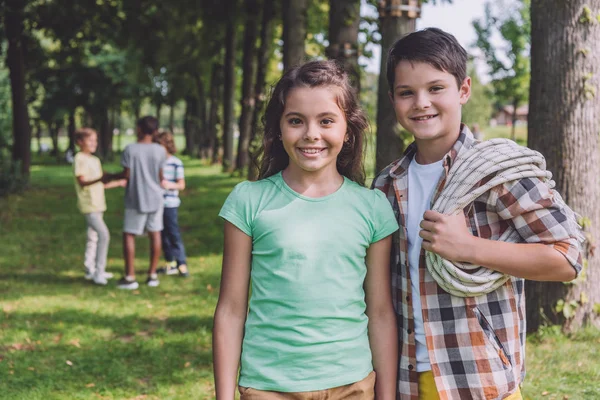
(428,102)
(88,144)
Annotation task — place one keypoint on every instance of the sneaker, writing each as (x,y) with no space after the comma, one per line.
(90,275)
(100,280)
(152,282)
(183,270)
(168,268)
(126,284)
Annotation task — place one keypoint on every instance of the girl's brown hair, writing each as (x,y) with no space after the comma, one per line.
(166,139)
(272,155)
(82,133)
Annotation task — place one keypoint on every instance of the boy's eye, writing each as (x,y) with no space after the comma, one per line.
(436,88)
(294,121)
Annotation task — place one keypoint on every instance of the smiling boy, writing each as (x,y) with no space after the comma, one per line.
(453,347)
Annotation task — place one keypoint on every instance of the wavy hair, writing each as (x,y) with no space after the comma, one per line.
(271,156)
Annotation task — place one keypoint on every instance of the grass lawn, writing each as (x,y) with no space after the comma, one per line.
(64,338)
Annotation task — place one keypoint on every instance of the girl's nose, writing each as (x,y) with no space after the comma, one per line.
(313,132)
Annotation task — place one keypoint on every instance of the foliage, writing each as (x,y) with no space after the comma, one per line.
(480,106)
(509,62)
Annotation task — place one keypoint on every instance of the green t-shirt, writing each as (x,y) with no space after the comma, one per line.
(306,327)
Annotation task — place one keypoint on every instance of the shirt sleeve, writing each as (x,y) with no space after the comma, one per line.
(79,166)
(539,215)
(384,220)
(179,173)
(125,158)
(237,208)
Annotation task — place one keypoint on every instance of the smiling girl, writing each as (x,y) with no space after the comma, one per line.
(314,244)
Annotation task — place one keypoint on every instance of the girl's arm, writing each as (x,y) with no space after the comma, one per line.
(179,185)
(383,335)
(231,311)
(114,184)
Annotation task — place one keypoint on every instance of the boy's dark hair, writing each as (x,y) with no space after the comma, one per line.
(431,46)
(166,139)
(82,133)
(148,125)
(273,157)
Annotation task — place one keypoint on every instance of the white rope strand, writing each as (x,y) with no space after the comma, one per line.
(503,161)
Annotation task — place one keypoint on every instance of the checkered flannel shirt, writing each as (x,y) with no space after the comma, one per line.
(476,345)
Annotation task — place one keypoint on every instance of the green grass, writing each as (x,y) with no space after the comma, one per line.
(64,338)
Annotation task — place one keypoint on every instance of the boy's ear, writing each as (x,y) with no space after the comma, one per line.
(465,90)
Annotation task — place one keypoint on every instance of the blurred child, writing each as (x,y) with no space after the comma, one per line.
(173,181)
(89,186)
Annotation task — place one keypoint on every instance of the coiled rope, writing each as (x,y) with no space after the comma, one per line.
(503,161)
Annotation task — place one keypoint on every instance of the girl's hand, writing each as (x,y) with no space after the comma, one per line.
(165,184)
(447,236)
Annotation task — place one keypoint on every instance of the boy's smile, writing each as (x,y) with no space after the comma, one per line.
(428,102)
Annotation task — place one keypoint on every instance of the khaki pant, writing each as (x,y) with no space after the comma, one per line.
(361,390)
(428,391)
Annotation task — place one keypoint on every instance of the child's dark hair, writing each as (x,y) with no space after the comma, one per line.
(82,133)
(148,125)
(166,139)
(272,155)
(431,46)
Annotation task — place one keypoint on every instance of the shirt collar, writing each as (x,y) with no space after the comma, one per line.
(465,141)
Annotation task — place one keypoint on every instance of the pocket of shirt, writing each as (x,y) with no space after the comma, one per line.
(489,332)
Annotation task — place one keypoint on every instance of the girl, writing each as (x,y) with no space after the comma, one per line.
(173,181)
(315,244)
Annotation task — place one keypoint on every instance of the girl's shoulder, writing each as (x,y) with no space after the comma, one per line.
(369,195)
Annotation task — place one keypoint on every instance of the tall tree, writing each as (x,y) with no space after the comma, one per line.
(344,20)
(395,22)
(510,70)
(564,117)
(229,88)
(14,11)
(294,31)
(249,67)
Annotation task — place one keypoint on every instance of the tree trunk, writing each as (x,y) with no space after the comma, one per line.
(295,16)
(53,133)
(344,19)
(158,108)
(38,134)
(13,24)
(513,127)
(264,55)
(71,131)
(564,115)
(201,138)
(104,134)
(191,107)
(389,142)
(213,115)
(171,115)
(229,89)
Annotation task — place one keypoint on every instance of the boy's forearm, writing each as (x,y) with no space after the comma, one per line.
(383,337)
(534,261)
(83,183)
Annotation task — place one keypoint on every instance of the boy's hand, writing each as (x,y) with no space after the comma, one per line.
(447,236)
(122,182)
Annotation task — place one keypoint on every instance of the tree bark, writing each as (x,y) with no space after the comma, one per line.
(13,24)
(191,105)
(229,89)
(344,19)
(171,115)
(201,137)
(564,117)
(295,16)
(213,114)
(389,142)
(71,130)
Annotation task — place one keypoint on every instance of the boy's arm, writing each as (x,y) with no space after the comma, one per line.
(550,251)
(179,185)
(382,318)
(121,175)
(83,183)
(115,183)
(231,311)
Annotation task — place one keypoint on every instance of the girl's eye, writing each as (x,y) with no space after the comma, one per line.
(405,93)
(327,121)
(294,121)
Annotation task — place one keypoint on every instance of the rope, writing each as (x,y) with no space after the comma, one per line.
(503,161)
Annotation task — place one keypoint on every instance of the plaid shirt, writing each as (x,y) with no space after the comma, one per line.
(476,345)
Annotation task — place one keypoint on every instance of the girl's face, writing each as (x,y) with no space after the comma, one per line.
(313,129)
(89,144)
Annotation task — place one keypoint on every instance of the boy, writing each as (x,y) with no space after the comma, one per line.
(173,181)
(89,187)
(142,167)
(455,347)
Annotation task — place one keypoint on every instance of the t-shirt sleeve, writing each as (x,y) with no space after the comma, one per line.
(125,158)
(79,166)
(384,220)
(179,173)
(237,208)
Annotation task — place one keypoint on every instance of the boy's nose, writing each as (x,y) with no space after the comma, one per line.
(421,102)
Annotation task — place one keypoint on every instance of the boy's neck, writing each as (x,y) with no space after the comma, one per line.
(145,139)
(430,151)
